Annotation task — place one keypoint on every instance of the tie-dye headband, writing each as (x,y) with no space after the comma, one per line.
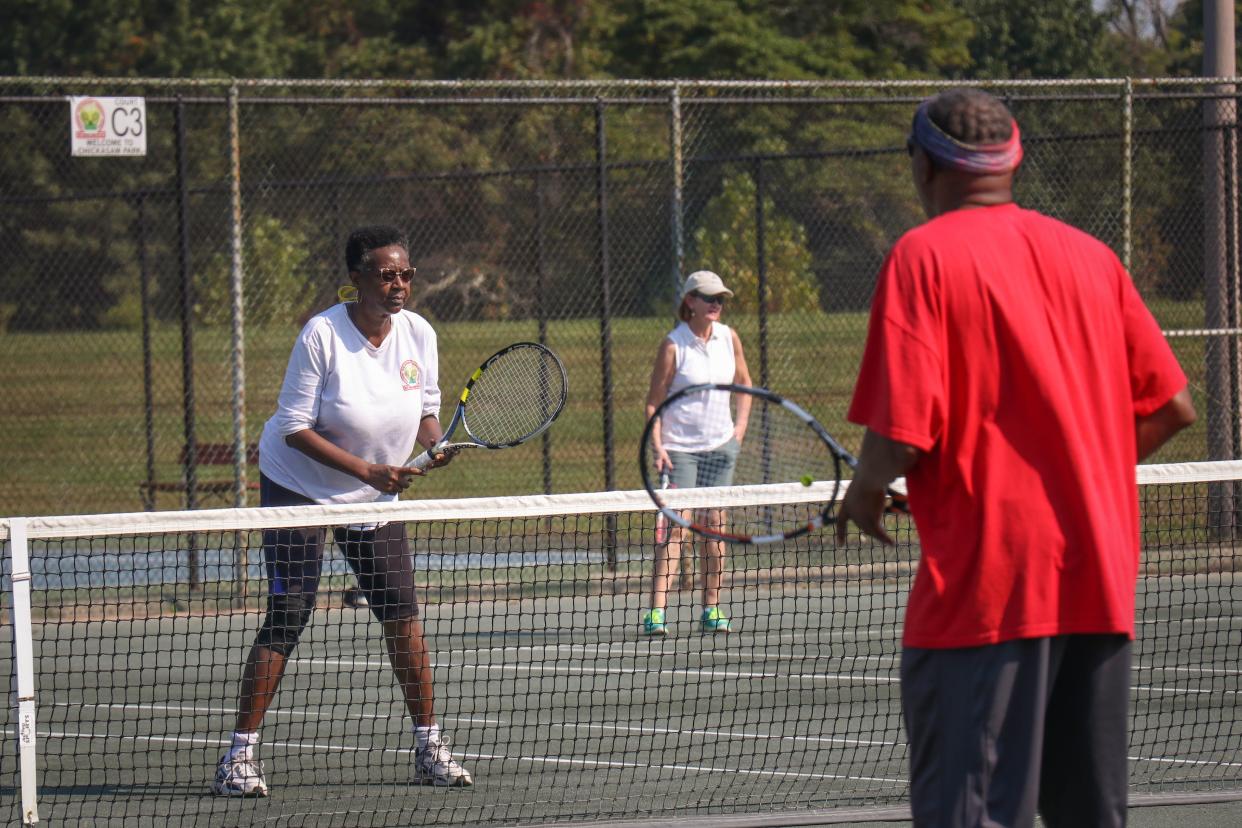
(981,159)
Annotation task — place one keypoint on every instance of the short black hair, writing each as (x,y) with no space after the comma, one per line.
(972,116)
(365,239)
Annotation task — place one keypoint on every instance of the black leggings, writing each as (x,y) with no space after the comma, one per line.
(380,558)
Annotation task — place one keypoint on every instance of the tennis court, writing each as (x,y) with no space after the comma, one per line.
(561,710)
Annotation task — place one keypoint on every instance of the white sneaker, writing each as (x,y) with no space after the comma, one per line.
(434,765)
(239,777)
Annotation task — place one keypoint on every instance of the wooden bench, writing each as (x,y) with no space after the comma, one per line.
(205,454)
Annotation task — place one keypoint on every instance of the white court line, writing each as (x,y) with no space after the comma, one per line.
(1207,671)
(486,757)
(1163,761)
(755,639)
(276,712)
(706,672)
(557,669)
(640,652)
(314,746)
(1147,688)
(641,730)
(1184,620)
(627,651)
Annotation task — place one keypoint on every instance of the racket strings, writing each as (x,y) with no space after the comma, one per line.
(777,447)
(518,394)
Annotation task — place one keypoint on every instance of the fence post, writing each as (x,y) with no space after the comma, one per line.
(236,295)
(186,291)
(677,208)
(187,335)
(148,390)
(541,314)
(605,325)
(761,286)
(1127,172)
(237,284)
(761,280)
(1219,251)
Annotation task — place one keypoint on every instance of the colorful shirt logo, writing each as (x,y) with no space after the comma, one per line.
(411,375)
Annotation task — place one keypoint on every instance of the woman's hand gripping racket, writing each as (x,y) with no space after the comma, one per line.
(791,464)
(513,396)
(661,527)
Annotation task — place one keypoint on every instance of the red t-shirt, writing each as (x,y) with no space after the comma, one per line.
(1014,351)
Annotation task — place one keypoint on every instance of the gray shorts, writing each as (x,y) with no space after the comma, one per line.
(704,468)
(1001,730)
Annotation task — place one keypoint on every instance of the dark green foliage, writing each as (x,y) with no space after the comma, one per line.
(1034,38)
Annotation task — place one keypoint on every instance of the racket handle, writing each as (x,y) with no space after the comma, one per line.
(423,460)
(897,503)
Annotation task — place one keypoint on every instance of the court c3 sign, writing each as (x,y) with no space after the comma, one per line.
(108,126)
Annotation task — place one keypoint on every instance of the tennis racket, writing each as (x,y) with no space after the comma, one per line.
(513,396)
(791,463)
(661,527)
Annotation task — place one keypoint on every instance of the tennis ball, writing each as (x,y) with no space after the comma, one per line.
(807,480)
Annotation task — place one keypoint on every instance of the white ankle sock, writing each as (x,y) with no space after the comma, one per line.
(244,743)
(423,735)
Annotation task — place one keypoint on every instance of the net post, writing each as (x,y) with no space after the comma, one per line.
(23,670)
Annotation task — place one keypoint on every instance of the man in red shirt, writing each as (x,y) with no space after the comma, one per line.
(1015,377)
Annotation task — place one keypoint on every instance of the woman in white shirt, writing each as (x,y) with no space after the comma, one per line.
(361,389)
(699,447)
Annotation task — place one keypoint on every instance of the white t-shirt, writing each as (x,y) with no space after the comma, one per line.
(703,422)
(367,400)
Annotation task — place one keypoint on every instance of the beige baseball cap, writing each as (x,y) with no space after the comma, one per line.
(706,283)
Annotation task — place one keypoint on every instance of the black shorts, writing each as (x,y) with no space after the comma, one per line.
(380,558)
(998,731)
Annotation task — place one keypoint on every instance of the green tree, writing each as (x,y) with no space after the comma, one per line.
(1034,39)
(276,258)
(176,39)
(803,39)
(726,240)
(1184,38)
(486,38)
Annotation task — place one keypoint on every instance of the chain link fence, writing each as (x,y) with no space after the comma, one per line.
(148,304)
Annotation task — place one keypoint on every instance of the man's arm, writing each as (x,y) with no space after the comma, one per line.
(1155,429)
(880,462)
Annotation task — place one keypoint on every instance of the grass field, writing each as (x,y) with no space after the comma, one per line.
(72,433)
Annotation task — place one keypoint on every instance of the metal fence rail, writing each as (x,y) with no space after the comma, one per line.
(148,304)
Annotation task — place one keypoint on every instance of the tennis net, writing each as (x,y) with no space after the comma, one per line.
(130,632)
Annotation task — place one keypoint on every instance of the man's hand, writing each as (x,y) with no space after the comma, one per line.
(865,506)
(880,462)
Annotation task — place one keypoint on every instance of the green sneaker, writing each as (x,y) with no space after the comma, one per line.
(714,621)
(653,623)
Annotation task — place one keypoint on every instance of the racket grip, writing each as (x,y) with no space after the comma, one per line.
(897,503)
(423,460)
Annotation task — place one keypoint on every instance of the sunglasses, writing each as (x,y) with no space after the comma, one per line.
(714,300)
(389,276)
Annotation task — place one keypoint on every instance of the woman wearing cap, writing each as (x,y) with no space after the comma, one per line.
(701,349)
